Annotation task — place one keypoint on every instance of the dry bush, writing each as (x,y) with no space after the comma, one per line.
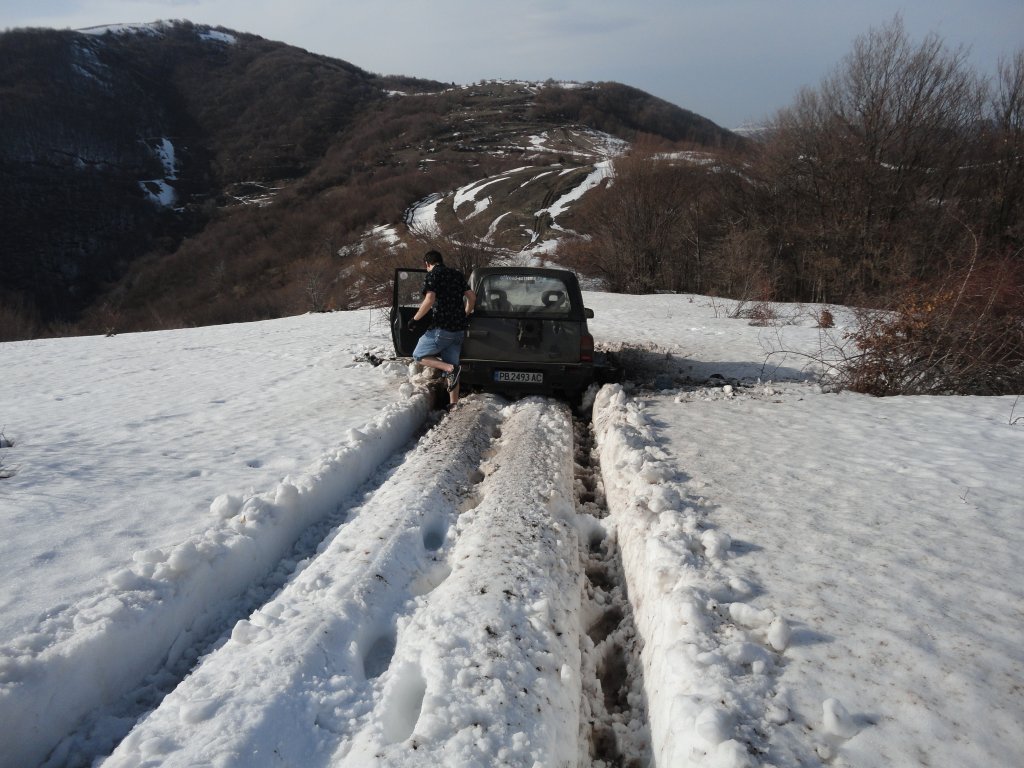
(761,313)
(962,336)
(6,471)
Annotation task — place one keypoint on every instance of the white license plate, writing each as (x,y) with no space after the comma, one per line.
(518,377)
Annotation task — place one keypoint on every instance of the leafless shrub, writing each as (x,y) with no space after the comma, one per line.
(316,284)
(109,318)
(717,306)
(762,313)
(219,276)
(956,337)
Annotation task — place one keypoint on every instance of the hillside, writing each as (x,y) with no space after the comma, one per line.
(139,164)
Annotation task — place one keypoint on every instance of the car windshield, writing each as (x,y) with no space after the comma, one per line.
(517,294)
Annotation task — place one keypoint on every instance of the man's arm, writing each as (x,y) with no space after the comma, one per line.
(425,305)
(470,298)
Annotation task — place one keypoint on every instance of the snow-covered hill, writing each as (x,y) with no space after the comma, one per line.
(251,544)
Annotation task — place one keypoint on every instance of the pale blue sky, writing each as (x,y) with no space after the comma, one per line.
(729,60)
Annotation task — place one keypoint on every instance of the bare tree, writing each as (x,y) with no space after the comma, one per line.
(1007,149)
(316,285)
(649,229)
(867,168)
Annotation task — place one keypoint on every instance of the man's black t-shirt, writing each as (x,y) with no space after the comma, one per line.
(449,286)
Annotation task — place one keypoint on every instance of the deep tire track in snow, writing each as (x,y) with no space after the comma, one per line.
(711,656)
(432,628)
(330,634)
(470,610)
(96,736)
(614,714)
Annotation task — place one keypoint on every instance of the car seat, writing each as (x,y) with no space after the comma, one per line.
(497,301)
(553,299)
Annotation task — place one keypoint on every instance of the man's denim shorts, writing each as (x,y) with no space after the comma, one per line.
(438,342)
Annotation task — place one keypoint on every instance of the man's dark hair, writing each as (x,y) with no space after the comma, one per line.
(433,257)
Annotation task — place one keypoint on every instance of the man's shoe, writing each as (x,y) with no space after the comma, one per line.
(453,377)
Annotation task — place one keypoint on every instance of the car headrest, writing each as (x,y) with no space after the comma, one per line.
(552,298)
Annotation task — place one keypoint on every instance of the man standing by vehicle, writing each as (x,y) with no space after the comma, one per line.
(449,301)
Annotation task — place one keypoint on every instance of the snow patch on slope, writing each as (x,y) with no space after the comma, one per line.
(160,190)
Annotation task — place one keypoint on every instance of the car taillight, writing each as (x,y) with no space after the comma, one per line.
(586,348)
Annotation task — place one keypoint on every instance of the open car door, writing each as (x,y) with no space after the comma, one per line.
(407,298)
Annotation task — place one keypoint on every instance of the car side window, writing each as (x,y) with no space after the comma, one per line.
(409,288)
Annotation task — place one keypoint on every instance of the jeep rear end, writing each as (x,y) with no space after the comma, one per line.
(528,334)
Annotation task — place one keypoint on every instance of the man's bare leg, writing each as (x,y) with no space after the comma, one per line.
(441,365)
(438,363)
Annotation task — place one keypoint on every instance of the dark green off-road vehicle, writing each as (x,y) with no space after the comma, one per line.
(528,334)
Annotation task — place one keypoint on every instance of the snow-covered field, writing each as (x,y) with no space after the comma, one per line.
(250,545)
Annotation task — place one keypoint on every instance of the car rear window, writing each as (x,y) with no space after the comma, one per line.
(500,294)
